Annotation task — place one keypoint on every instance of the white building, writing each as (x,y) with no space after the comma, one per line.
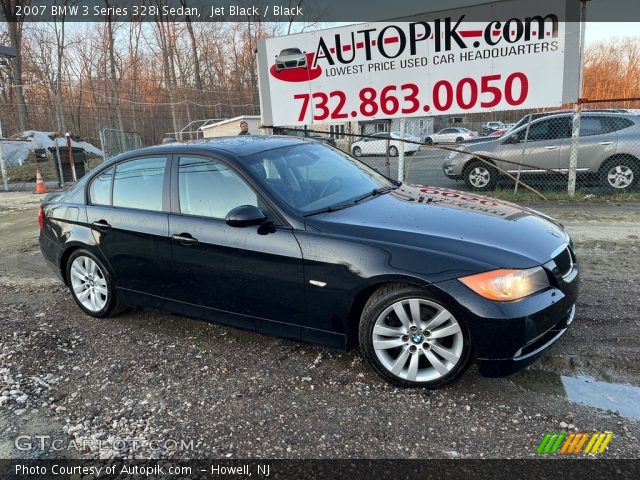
(231,126)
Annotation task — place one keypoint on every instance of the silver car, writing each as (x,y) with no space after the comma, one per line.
(609,150)
(291,58)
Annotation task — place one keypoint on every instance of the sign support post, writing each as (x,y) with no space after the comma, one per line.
(401,151)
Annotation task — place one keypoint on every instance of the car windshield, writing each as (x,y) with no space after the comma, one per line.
(290,51)
(312,177)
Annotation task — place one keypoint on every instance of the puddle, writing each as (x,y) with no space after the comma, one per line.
(624,399)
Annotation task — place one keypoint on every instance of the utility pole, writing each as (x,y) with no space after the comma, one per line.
(3,167)
(577,109)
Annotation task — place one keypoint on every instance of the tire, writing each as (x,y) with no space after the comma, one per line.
(357,152)
(88,277)
(393,151)
(459,140)
(480,176)
(428,141)
(620,174)
(406,353)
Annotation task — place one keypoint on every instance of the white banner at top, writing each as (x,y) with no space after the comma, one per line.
(526,58)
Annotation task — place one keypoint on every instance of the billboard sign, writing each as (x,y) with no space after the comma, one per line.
(525,56)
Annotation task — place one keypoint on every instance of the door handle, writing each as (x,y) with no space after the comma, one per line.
(551,147)
(605,143)
(101,225)
(184,238)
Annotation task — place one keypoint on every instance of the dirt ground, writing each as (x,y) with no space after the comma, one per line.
(121,384)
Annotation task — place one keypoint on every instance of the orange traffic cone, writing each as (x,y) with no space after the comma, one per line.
(40,187)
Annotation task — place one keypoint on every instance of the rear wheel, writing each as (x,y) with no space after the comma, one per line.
(459,140)
(620,174)
(91,285)
(357,152)
(393,151)
(480,176)
(412,339)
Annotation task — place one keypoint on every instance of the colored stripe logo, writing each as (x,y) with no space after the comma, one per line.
(574,443)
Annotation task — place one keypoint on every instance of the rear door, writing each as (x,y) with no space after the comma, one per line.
(255,272)
(541,149)
(598,141)
(128,216)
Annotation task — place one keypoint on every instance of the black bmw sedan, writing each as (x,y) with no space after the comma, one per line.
(292,238)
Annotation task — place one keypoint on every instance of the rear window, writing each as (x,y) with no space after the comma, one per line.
(618,123)
(100,190)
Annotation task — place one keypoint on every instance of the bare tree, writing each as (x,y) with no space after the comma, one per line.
(15,24)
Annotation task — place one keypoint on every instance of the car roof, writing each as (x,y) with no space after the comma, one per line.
(239,145)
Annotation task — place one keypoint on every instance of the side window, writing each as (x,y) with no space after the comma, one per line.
(211,189)
(593,126)
(139,184)
(540,131)
(100,189)
(618,123)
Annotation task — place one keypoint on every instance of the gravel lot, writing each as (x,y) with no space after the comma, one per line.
(148,384)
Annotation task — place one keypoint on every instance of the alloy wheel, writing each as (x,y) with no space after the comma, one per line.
(89,284)
(620,176)
(418,340)
(479,177)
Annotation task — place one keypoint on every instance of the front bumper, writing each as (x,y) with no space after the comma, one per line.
(508,336)
(449,172)
(529,353)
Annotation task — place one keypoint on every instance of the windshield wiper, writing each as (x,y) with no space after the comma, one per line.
(340,206)
(375,192)
(330,208)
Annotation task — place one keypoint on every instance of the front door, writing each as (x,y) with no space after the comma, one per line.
(255,272)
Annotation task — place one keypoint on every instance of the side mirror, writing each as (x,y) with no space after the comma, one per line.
(245,216)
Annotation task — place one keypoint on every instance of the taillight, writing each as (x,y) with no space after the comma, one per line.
(41,217)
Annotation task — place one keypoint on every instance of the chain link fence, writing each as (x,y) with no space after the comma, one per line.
(115,142)
(23,158)
(538,153)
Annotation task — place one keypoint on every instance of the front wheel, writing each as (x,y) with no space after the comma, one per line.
(91,285)
(393,151)
(357,152)
(412,339)
(480,176)
(459,140)
(620,175)
(428,141)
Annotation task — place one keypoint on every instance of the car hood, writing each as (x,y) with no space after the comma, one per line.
(488,232)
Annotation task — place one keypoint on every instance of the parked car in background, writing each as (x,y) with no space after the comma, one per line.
(490,127)
(609,151)
(498,133)
(376,144)
(451,135)
(288,237)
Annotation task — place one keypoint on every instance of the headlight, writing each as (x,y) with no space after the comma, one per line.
(507,285)
(453,154)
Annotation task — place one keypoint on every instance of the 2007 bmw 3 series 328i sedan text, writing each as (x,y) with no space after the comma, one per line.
(293,238)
